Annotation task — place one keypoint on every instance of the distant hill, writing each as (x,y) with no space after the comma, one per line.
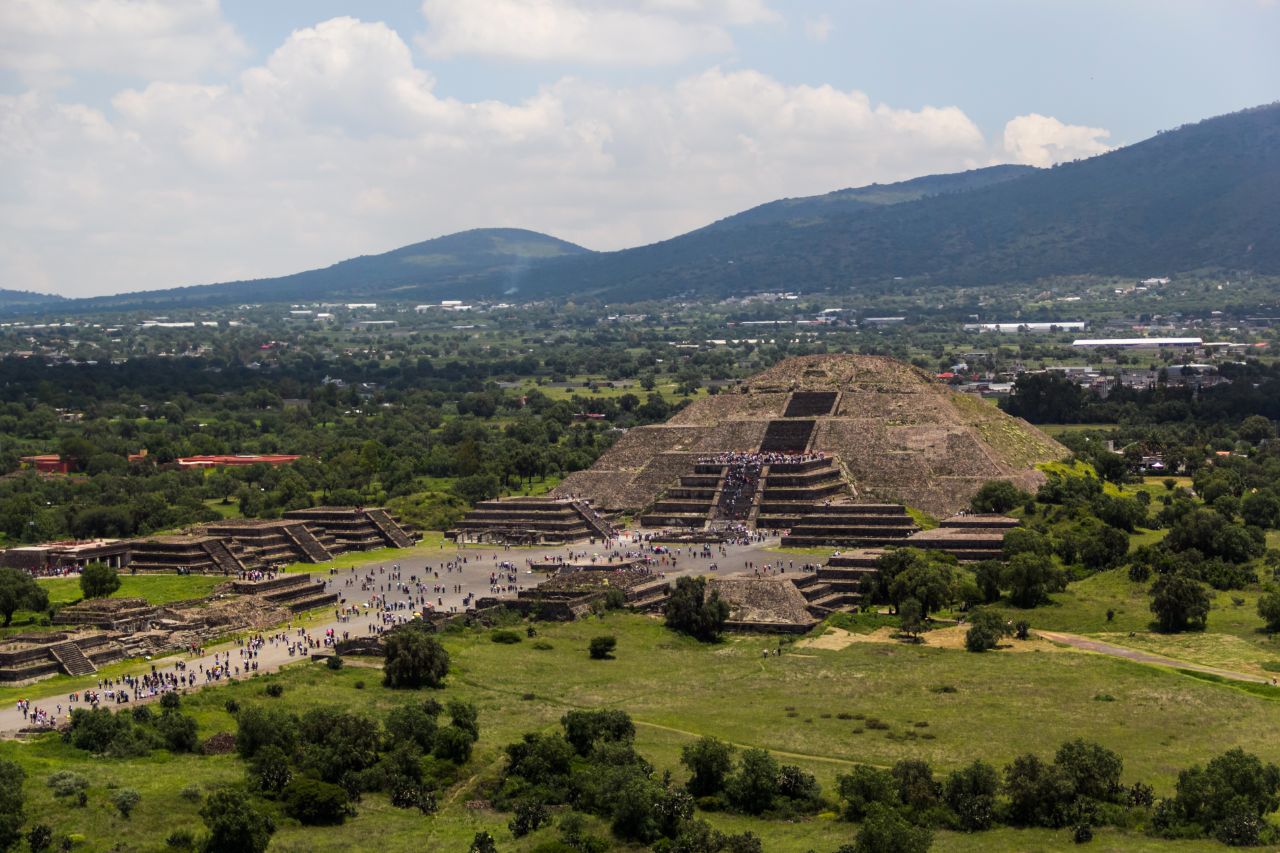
(18,300)
(1205,195)
(438,268)
(806,209)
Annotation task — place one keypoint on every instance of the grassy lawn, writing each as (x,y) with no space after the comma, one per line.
(677,690)
(432,542)
(230,509)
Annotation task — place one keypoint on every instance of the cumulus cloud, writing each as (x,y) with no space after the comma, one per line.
(173,39)
(650,32)
(1043,140)
(338,144)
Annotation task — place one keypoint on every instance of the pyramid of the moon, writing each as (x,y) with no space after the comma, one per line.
(894,434)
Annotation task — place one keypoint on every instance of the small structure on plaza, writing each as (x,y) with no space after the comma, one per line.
(51,558)
(532,521)
(356,528)
(574,590)
(771,605)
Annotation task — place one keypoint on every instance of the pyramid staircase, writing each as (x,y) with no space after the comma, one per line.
(389,528)
(307,543)
(72,660)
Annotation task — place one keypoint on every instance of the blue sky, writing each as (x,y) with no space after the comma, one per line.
(154,143)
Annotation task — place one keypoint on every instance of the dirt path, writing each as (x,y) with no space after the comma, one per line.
(1088,645)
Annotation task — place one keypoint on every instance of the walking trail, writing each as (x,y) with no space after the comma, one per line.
(1088,645)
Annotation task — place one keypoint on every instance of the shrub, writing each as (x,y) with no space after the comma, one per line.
(39,837)
(692,610)
(232,706)
(985,630)
(181,839)
(453,744)
(126,800)
(482,843)
(543,646)
(885,831)
(602,647)
(170,701)
(334,662)
(66,783)
(863,787)
(191,793)
(275,690)
(755,786)
(315,803)
(971,793)
(507,638)
(530,815)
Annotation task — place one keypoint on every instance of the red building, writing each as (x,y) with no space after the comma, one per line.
(238,459)
(48,463)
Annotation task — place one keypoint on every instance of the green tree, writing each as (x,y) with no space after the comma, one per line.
(1179,602)
(928,582)
(19,591)
(864,787)
(970,792)
(12,803)
(1269,608)
(586,729)
(998,496)
(1229,797)
(235,824)
(986,627)
(1030,578)
(754,787)
(1093,769)
(911,618)
(709,761)
(414,657)
(693,610)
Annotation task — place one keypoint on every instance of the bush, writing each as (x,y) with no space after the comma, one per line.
(126,800)
(191,793)
(181,839)
(39,837)
(530,815)
(507,638)
(755,786)
(315,803)
(998,496)
(334,662)
(1179,603)
(66,783)
(275,690)
(885,831)
(971,793)
(232,706)
(602,647)
(235,824)
(170,701)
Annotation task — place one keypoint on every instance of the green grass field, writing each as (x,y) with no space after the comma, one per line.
(1004,703)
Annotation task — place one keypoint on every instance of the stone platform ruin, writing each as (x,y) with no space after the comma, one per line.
(532,521)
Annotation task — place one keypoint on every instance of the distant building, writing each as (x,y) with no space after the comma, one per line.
(47,463)
(215,461)
(1055,326)
(1137,343)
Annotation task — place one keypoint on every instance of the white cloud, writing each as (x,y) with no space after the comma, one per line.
(46,40)
(339,145)
(651,32)
(1043,140)
(817,29)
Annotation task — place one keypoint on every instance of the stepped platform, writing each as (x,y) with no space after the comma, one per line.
(274,542)
(188,553)
(849,525)
(296,591)
(112,614)
(966,543)
(25,658)
(531,521)
(354,528)
(980,521)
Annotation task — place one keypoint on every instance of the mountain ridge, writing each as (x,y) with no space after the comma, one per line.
(1203,196)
